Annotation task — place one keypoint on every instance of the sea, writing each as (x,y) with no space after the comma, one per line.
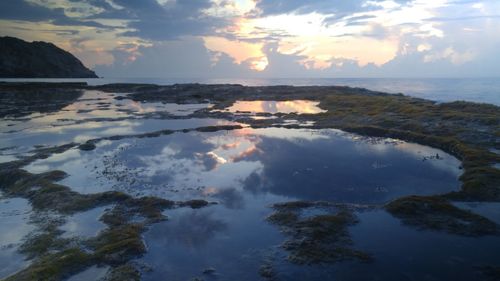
(479,90)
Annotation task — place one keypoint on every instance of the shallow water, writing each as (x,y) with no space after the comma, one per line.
(92,273)
(292,106)
(14,223)
(219,237)
(297,164)
(85,224)
(26,140)
(245,171)
(401,253)
(94,115)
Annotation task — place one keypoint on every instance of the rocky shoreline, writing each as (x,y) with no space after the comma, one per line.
(468,131)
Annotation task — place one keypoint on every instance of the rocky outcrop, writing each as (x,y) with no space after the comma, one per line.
(21,59)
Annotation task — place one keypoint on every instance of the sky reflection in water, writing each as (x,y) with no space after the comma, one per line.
(246,171)
(295,164)
(14,217)
(95,114)
(292,106)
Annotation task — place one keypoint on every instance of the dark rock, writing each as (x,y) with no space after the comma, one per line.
(21,59)
(87,146)
(436,213)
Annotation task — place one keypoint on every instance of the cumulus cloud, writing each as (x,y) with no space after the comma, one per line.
(264,38)
(156,21)
(31,11)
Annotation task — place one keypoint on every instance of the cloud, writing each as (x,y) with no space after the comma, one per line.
(337,8)
(182,58)
(26,11)
(264,38)
(152,20)
(276,7)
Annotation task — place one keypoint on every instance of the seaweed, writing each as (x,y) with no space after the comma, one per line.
(466,130)
(436,213)
(55,266)
(126,272)
(316,239)
(119,244)
(55,258)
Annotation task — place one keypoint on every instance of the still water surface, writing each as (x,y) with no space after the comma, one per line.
(245,171)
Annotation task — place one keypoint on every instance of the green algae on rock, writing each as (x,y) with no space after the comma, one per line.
(321,238)
(126,272)
(466,130)
(438,214)
(56,258)
(55,266)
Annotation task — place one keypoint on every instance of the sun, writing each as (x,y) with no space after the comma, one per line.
(259,64)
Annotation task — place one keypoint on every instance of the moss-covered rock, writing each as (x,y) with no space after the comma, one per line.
(126,272)
(320,238)
(119,244)
(438,214)
(55,266)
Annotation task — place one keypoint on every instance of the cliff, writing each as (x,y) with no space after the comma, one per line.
(21,59)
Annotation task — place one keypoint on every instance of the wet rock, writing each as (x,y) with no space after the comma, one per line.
(267,271)
(194,204)
(119,244)
(438,214)
(218,128)
(316,239)
(209,271)
(126,272)
(55,266)
(87,146)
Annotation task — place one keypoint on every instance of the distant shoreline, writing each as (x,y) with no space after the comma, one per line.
(492,98)
(479,90)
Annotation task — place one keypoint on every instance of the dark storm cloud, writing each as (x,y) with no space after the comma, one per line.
(151,20)
(147,18)
(22,10)
(273,7)
(276,7)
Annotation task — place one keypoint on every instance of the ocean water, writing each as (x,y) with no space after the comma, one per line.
(480,90)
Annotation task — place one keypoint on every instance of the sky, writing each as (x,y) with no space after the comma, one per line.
(267,38)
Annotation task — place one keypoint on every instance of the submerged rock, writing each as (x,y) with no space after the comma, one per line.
(87,146)
(322,238)
(438,214)
(209,270)
(126,272)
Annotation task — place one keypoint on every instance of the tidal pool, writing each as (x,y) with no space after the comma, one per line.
(84,224)
(95,114)
(16,143)
(217,243)
(245,171)
(296,164)
(292,106)
(14,223)
(400,253)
